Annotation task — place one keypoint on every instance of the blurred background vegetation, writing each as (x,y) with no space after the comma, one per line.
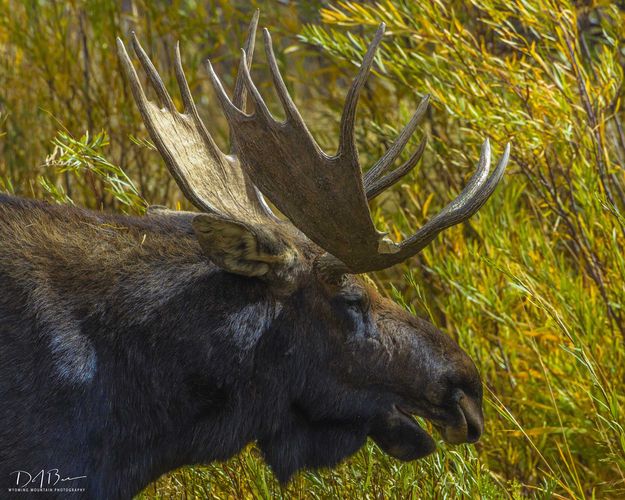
(533,287)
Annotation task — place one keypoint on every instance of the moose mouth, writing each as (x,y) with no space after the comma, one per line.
(401,436)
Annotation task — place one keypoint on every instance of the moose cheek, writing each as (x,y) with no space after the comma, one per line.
(401,437)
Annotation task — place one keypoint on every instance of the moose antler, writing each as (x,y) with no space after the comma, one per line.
(213,181)
(326,196)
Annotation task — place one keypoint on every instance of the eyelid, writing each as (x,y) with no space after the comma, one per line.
(352,298)
(361,301)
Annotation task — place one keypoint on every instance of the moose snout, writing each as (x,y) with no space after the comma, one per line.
(468,424)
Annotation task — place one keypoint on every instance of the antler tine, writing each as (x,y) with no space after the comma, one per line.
(183,85)
(479,188)
(259,103)
(384,163)
(347,145)
(131,74)
(377,186)
(233,113)
(238,98)
(464,201)
(150,70)
(489,186)
(290,109)
(189,103)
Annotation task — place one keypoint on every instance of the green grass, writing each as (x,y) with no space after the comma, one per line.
(532,287)
(369,474)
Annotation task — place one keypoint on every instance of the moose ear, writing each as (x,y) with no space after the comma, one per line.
(242,248)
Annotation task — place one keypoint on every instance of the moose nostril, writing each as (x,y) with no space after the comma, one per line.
(473,416)
(474,431)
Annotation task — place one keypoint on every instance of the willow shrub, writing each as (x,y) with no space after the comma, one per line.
(532,287)
(59,72)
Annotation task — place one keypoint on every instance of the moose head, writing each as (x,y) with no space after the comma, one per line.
(337,361)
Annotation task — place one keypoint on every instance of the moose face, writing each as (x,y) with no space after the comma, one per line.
(382,348)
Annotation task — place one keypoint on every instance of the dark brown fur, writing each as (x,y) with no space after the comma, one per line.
(124,353)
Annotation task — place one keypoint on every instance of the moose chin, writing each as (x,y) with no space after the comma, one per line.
(130,346)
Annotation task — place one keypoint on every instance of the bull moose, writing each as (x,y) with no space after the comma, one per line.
(130,346)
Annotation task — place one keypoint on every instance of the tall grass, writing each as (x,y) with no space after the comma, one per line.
(532,287)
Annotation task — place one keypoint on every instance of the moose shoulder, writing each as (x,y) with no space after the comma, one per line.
(131,346)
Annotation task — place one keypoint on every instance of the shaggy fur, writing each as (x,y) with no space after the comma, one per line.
(125,353)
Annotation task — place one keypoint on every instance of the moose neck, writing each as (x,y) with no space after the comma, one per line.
(182,386)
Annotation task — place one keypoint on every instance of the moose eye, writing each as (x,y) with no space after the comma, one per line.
(359,303)
(355,310)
